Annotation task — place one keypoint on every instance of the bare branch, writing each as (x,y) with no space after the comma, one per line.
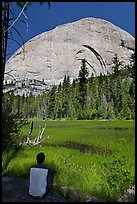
(22,47)
(10,75)
(18,34)
(26,22)
(25,15)
(9,71)
(17,17)
(17,43)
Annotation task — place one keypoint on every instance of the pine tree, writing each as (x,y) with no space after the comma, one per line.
(18,105)
(66,92)
(117,64)
(83,79)
(51,103)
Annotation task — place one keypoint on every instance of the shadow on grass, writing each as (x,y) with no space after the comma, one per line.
(76,195)
(84,148)
(7,156)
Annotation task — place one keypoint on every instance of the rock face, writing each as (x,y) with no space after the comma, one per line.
(56,53)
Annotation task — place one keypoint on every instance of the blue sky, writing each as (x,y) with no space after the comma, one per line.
(40,19)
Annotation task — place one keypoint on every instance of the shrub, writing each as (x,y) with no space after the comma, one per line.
(117,176)
(11,125)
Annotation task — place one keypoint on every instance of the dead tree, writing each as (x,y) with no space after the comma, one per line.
(37,140)
(28,137)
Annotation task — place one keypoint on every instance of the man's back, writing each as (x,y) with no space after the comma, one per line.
(49,178)
(38,181)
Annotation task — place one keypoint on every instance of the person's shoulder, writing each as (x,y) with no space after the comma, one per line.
(51,170)
(33,166)
(38,166)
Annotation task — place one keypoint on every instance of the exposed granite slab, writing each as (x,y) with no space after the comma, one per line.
(16,189)
(56,53)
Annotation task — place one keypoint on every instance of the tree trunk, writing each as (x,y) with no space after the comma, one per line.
(5,25)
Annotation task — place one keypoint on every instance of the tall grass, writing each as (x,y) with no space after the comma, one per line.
(83,171)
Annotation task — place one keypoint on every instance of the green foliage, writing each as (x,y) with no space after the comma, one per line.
(76,169)
(117,175)
(11,125)
(102,97)
(21,4)
(117,64)
(83,79)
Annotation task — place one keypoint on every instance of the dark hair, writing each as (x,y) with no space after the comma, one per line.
(40,157)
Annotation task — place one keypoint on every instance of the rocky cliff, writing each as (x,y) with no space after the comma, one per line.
(56,53)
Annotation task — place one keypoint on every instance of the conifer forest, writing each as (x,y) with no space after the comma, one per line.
(108,96)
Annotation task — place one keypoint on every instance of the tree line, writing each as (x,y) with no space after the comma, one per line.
(108,96)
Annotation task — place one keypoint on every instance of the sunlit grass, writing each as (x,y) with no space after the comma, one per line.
(75,169)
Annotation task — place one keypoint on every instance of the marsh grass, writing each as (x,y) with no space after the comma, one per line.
(77,169)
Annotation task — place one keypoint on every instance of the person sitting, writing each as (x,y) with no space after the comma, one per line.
(41,178)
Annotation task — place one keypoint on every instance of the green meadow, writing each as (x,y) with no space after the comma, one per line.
(95,157)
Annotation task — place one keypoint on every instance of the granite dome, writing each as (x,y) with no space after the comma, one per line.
(56,53)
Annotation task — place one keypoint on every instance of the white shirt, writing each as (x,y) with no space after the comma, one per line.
(38,181)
